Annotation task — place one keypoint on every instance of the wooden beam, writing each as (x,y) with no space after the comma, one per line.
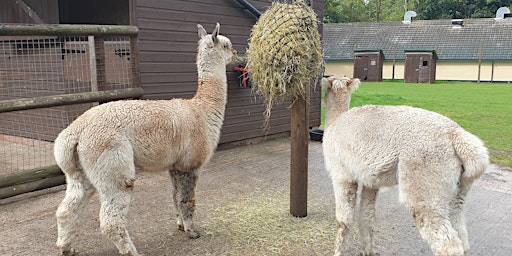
(32,186)
(299,156)
(66,30)
(25,176)
(68,99)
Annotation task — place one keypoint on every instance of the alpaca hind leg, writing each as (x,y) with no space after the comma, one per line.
(345,193)
(366,220)
(184,199)
(457,216)
(436,229)
(113,222)
(428,188)
(78,193)
(114,176)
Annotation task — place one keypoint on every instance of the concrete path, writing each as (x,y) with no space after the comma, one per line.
(242,210)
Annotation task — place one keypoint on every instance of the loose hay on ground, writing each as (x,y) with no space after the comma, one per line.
(263,226)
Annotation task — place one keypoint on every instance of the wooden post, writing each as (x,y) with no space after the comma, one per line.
(479,63)
(299,156)
(92,64)
(101,73)
(134,62)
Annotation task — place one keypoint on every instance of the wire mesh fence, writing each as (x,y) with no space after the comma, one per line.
(38,66)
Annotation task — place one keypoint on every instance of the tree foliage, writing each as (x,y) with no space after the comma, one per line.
(393,10)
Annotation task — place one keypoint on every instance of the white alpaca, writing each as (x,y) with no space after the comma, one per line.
(101,149)
(431,158)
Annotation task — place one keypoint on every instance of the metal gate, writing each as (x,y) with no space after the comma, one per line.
(49,75)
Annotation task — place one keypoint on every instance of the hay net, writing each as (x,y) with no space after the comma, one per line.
(285,52)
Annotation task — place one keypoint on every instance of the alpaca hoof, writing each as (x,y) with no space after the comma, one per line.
(70,252)
(132,254)
(193,234)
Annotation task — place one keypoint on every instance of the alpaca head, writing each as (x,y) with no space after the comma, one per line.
(338,91)
(214,47)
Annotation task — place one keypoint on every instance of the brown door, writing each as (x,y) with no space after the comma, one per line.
(425,65)
(361,67)
(412,64)
(373,68)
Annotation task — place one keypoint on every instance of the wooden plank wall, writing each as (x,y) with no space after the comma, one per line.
(168,43)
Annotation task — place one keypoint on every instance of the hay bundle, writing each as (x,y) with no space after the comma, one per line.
(285,53)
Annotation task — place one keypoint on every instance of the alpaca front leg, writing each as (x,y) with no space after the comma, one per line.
(184,200)
(175,200)
(367,220)
(345,193)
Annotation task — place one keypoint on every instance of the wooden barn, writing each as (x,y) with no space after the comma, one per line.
(368,65)
(467,50)
(420,67)
(167,42)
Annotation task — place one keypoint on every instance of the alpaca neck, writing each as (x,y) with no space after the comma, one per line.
(212,84)
(334,109)
(211,95)
(210,65)
(212,70)
(211,91)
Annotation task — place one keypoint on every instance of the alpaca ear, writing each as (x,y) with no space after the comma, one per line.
(200,31)
(353,84)
(215,32)
(326,83)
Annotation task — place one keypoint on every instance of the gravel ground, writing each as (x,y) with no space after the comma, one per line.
(242,209)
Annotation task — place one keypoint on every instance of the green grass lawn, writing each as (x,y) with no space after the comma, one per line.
(483,109)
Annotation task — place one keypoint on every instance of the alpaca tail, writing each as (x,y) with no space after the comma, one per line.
(472,153)
(65,152)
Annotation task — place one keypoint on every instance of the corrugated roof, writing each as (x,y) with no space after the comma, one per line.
(492,39)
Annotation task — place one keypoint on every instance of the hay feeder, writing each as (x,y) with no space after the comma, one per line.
(285,52)
(284,58)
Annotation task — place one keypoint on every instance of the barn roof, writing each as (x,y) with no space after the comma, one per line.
(489,38)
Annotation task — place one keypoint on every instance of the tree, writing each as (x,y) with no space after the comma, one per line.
(363,10)
(489,10)
(457,9)
(393,10)
(336,11)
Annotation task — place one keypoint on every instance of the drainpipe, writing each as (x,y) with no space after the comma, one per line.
(250,8)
